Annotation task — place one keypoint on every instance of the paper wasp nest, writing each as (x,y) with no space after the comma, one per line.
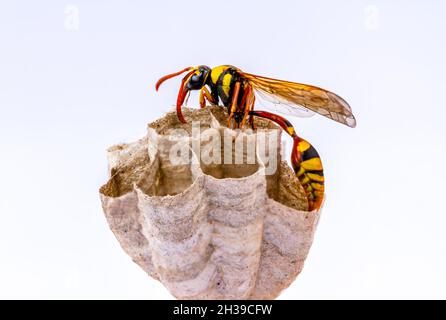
(208,231)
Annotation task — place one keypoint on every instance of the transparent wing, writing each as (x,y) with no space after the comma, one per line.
(276,104)
(292,95)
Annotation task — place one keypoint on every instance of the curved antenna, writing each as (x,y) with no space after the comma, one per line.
(161,80)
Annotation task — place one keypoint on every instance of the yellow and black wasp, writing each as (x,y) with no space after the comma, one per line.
(237,91)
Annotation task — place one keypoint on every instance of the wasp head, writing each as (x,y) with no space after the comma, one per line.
(195,79)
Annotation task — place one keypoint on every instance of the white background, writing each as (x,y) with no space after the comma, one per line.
(68,91)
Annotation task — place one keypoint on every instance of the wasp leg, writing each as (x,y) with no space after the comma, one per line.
(247,103)
(251,108)
(305,161)
(182,93)
(251,121)
(234,102)
(206,95)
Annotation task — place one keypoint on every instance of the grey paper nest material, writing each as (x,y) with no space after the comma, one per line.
(208,231)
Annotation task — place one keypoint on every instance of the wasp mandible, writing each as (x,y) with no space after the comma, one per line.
(237,90)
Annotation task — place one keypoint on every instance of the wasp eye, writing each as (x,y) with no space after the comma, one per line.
(195,82)
(195,78)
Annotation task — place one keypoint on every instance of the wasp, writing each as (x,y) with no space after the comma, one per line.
(238,91)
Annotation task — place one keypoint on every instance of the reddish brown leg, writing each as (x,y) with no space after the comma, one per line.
(206,95)
(182,95)
(234,102)
(247,104)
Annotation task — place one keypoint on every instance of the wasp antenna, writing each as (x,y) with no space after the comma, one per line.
(161,80)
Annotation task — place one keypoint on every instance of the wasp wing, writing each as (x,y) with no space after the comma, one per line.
(292,95)
(277,104)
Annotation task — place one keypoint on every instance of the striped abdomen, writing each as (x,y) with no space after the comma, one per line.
(305,161)
(308,167)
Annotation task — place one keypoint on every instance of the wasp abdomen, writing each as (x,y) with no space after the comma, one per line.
(305,161)
(308,167)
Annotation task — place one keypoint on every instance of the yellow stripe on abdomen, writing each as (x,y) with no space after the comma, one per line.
(312,164)
(310,173)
